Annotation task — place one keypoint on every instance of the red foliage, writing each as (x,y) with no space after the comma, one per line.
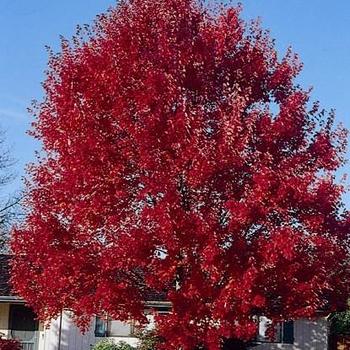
(177,144)
(9,344)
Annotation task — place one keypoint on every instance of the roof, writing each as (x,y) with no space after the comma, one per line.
(137,278)
(5,289)
(152,295)
(6,293)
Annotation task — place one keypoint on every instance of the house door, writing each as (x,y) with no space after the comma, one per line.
(23,326)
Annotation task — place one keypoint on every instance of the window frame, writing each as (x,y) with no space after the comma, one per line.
(280,334)
(106,328)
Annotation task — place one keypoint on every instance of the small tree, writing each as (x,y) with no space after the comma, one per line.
(181,157)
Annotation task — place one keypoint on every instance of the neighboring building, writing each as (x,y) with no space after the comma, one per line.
(18,321)
(295,335)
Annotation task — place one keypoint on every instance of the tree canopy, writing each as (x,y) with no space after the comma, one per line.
(180,156)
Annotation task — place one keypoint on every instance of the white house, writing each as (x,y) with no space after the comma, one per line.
(296,335)
(18,321)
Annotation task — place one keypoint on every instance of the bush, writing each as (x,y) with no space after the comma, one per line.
(110,345)
(148,340)
(9,344)
(340,322)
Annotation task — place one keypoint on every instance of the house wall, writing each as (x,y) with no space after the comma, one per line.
(71,336)
(308,335)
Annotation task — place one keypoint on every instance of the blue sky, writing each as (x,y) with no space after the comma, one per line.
(316,29)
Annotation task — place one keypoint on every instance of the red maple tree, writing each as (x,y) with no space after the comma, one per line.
(177,146)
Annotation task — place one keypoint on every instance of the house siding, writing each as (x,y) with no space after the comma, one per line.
(72,338)
(308,335)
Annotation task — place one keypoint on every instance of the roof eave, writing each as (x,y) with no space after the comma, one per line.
(11,299)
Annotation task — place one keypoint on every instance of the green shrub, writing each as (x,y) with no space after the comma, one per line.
(148,340)
(340,322)
(110,345)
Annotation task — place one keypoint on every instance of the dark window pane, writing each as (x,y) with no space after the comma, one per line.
(22,318)
(100,327)
(288,332)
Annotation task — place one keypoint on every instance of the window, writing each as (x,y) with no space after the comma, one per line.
(283,331)
(100,327)
(160,310)
(22,318)
(113,328)
(288,332)
(23,326)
